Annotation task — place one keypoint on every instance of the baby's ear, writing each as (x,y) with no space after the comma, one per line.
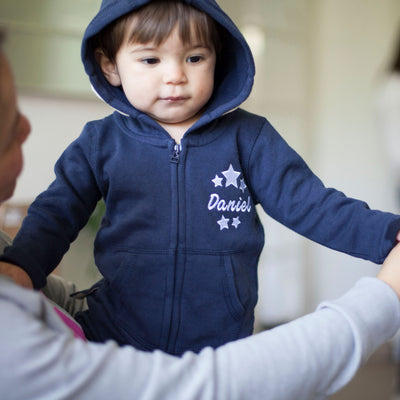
(108,67)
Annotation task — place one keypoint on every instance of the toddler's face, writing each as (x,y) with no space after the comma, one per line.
(171,82)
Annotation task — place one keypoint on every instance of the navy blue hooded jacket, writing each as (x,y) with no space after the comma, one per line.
(180,240)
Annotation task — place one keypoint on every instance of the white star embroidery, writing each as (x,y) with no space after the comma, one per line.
(231,176)
(223,223)
(242,185)
(217,181)
(236,222)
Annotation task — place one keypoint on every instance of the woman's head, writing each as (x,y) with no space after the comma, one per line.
(14,129)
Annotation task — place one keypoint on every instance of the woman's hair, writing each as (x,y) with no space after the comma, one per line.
(395,66)
(154,22)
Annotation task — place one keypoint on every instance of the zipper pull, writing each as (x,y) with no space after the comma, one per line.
(176,154)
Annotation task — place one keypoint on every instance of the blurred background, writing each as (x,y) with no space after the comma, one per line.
(320,65)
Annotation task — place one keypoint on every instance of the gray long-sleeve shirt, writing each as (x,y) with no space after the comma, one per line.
(309,358)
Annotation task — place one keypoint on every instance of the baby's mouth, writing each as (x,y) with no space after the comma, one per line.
(172,99)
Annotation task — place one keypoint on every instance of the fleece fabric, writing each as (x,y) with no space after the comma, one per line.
(180,240)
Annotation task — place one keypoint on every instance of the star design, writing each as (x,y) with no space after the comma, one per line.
(242,185)
(217,181)
(231,176)
(236,222)
(223,223)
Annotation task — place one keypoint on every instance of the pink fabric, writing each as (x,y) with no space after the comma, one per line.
(75,328)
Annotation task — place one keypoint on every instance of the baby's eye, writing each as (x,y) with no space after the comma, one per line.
(150,60)
(194,59)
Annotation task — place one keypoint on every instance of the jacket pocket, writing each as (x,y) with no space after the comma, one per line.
(137,296)
(232,299)
(217,302)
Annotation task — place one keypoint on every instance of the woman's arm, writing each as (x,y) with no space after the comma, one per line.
(308,358)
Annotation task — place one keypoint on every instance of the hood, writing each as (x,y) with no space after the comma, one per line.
(234,76)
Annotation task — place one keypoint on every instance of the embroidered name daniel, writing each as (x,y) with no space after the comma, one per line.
(220,204)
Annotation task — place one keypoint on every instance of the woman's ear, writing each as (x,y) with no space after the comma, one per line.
(108,67)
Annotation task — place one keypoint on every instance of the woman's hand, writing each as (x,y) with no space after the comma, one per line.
(19,276)
(390,271)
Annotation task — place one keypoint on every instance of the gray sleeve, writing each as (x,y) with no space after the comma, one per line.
(316,355)
(306,359)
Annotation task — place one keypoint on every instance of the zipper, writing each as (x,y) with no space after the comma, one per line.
(176,153)
(172,333)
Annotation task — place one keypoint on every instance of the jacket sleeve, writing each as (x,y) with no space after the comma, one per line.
(58,214)
(309,358)
(293,195)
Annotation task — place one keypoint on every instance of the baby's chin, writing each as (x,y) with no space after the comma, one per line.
(181,121)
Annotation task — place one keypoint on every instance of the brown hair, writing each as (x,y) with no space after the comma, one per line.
(395,66)
(154,22)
